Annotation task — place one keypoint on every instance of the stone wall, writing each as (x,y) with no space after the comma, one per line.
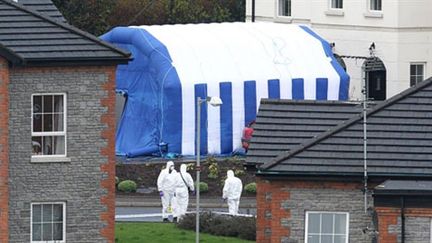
(86,183)
(282,207)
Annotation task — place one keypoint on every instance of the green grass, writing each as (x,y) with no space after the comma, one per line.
(163,233)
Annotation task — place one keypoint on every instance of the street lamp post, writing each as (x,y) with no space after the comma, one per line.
(214,101)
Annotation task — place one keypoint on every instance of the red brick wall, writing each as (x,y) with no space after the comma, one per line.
(109,152)
(4,151)
(388,217)
(271,194)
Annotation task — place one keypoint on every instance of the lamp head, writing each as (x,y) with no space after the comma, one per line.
(214,101)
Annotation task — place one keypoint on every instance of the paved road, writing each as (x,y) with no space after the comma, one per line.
(153,214)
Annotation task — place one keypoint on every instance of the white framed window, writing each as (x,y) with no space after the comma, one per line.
(327,227)
(48,222)
(375,5)
(49,125)
(284,8)
(417,72)
(336,4)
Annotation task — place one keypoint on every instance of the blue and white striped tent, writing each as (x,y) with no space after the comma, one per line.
(239,62)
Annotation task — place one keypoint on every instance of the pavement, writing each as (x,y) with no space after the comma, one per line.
(136,200)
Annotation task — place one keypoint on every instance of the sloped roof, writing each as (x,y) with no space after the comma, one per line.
(30,38)
(46,7)
(283,124)
(399,142)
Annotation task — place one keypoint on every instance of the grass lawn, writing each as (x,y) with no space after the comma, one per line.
(163,233)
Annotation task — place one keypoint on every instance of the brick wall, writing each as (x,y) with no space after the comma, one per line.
(86,183)
(4,150)
(282,206)
(417,225)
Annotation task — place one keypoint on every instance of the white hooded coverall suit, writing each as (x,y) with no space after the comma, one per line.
(166,184)
(182,191)
(232,191)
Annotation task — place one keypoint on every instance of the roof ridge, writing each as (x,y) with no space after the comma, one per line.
(66,26)
(344,124)
(308,102)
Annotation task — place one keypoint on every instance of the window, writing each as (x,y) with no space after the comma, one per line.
(338,4)
(48,222)
(49,125)
(416,73)
(326,227)
(375,5)
(284,8)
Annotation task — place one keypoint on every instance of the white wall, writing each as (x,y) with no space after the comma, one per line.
(402,34)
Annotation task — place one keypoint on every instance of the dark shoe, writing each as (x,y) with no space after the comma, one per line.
(165,220)
(175,219)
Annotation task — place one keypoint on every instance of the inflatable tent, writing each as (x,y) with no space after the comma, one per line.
(238,62)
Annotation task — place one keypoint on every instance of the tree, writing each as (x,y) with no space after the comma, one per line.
(98,16)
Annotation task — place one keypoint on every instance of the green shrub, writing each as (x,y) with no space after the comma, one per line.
(223,225)
(190,166)
(250,188)
(203,187)
(213,171)
(239,172)
(127,186)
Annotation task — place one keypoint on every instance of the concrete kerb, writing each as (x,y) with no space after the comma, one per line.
(124,201)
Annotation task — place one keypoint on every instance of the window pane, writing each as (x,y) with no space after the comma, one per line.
(37,123)
(37,232)
(313,239)
(412,69)
(59,145)
(37,104)
(413,80)
(47,123)
(58,122)
(36,217)
(58,103)
(46,213)
(327,223)
(339,239)
(47,103)
(419,69)
(58,213)
(47,145)
(340,223)
(326,239)
(419,79)
(58,231)
(314,223)
(47,231)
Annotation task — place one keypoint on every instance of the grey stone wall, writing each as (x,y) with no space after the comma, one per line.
(76,182)
(332,200)
(417,230)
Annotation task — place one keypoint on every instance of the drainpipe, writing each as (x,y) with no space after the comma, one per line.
(402,219)
(253,11)
(365,172)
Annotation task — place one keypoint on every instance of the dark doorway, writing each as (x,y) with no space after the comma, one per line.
(376,78)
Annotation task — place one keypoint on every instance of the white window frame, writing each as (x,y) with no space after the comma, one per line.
(374,10)
(424,70)
(64,222)
(64,133)
(331,5)
(278,9)
(321,212)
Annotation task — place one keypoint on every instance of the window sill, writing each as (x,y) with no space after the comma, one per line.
(50,160)
(283,19)
(334,12)
(373,15)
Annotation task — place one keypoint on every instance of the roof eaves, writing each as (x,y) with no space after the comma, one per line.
(71,28)
(300,148)
(11,56)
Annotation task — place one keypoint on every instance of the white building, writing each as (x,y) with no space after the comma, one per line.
(400,29)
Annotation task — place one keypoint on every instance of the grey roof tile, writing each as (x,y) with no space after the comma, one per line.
(399,142)
(30,38)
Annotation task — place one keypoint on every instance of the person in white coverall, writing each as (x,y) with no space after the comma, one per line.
(166,184)
(184,183)
(232,191)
